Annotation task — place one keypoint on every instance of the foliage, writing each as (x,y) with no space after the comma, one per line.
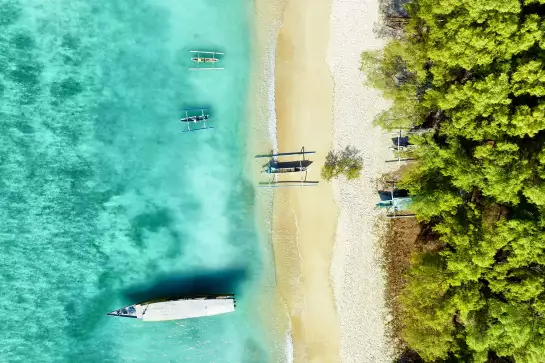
(346,162)
(473,73)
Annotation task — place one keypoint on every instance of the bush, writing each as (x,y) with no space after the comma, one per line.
(346,162)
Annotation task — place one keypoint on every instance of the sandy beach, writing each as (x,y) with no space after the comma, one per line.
(358,278)
(328,274)
(305,218)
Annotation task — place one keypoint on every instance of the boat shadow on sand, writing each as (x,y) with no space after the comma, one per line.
(178,285)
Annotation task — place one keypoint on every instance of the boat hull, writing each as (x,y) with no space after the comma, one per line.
(205,60)
(195,118)
(178,309)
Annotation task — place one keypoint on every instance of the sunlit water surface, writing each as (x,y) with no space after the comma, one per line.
(104,201)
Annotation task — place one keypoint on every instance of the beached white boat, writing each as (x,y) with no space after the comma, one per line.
(176,309)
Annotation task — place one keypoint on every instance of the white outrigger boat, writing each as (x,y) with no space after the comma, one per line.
(275,167)
(210,60)
(196,116)
(176,309)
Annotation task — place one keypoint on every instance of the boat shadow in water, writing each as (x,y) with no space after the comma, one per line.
(178,285)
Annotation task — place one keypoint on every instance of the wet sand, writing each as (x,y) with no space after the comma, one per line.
(305,218)
(261,139)
(310,94)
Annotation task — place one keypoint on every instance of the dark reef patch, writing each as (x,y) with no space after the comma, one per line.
(10,11)
(66,88)
(23,42)
(149,221)
(27,74)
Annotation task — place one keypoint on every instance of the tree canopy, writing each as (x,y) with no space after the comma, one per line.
(347,162)
(473,71)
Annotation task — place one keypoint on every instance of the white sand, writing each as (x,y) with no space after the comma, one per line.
(358,280)
(304,221)
(305,218)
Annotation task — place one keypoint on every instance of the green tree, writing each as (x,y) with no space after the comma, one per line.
(473,72)
(347,162)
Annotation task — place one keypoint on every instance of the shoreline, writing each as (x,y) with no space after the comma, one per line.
(304,219)
(307,90)
(261,139)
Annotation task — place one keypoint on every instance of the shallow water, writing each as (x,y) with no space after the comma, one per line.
(105,201)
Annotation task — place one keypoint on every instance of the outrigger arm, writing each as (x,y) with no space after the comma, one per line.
(196,119)
(276,167)
(284,154)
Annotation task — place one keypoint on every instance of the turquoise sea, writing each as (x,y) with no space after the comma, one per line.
(104,201)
